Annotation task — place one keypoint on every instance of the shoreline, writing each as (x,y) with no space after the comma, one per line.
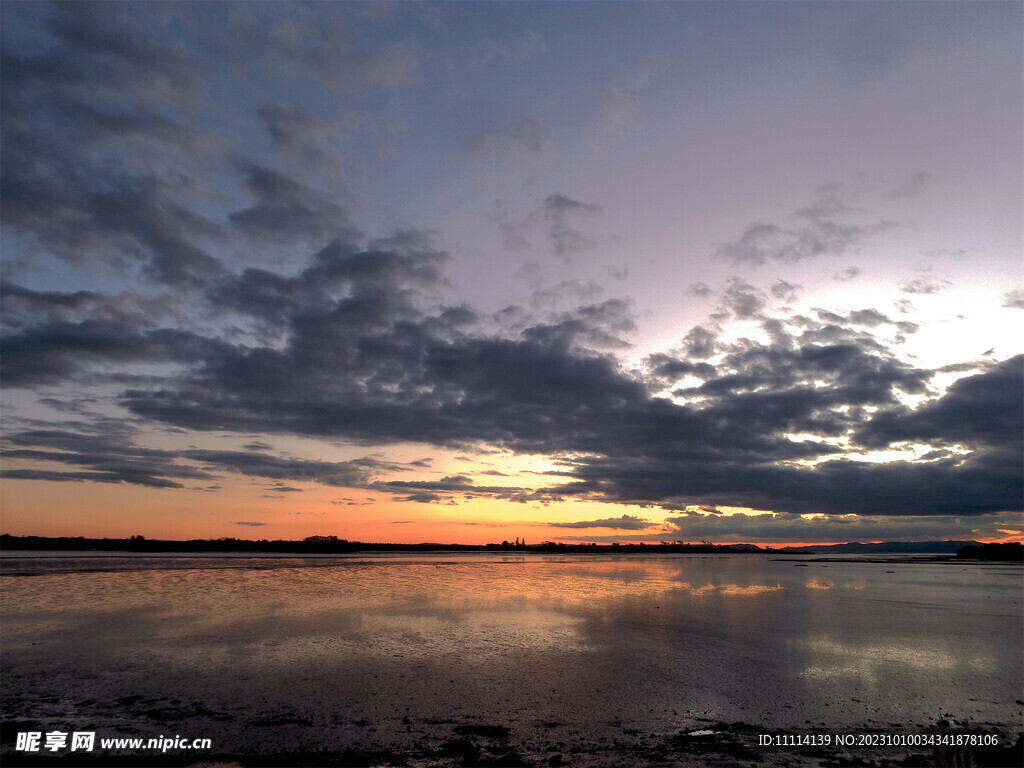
(332,545)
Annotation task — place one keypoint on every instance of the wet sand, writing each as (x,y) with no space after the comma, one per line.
(484,660)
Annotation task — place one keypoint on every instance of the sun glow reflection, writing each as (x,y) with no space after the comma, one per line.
(872,662)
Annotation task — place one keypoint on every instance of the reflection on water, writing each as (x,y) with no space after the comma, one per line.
(480,634)
(732,590)
(646,640)
(831,659)
(461,604)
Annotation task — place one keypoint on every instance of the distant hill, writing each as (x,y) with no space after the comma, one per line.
(1012,551)
(882,548)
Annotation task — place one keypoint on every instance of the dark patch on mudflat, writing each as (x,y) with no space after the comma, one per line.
(487,731)
(278,720)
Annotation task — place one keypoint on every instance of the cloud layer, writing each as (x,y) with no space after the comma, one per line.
(787,424)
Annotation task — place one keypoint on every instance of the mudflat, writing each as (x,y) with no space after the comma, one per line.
(489,659)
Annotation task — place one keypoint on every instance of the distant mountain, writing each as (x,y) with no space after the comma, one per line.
(881,548)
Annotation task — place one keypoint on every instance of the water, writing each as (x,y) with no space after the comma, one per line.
(263,654)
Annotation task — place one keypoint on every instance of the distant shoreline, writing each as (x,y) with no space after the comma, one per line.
(330,545)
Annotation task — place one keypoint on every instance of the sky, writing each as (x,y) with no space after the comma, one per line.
(466,272)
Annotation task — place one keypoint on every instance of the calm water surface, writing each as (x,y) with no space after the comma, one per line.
(262,653)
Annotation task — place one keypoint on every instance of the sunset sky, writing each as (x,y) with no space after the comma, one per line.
(465,272)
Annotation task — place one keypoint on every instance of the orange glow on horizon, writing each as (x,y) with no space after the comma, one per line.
(244,510)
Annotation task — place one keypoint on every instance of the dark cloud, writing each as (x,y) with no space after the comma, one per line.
(12,294)
(742,299)
(794,528)
(838,487)
(983,410)
(700,342)
(625,523)
(118,475)
(758,243)
(700,289)
(847,274)
(763,429)
(372,364)
(95,153)
(108,453)
(827,204)
(785,290)
(286,210)
(594,326)
(670,368)
(736,449)
(1014,299)
(422,498)
(872,318)
(249,523)
(556,206)
(868,317)
(345,474)
(23,307)
(104,455)
(363,361)
(820,231)
(446,488)
(58,351)
(105,163)
(925,285)
(376,281)
(980,412)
